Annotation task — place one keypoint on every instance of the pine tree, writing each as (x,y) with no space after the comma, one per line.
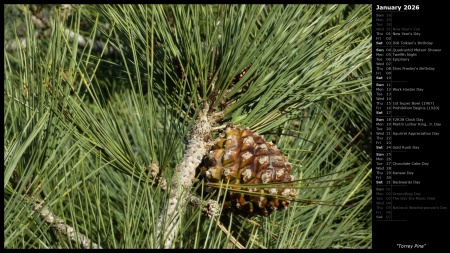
(112,114)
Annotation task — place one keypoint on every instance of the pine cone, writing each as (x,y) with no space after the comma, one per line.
(244,157)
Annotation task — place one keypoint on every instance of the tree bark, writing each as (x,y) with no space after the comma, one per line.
(169,218)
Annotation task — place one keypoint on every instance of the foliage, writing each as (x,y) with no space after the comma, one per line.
(109,90)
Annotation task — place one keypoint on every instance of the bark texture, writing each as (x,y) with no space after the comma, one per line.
(183,179)
(60,226)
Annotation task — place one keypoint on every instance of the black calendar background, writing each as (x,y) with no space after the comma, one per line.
(419,229)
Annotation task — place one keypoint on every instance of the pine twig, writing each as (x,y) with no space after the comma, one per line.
(232,239)
(59,225)
(212,208)
(44,30)
(184,177)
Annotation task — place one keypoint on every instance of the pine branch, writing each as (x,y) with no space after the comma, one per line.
(184,177)
(59,225)
(43,29)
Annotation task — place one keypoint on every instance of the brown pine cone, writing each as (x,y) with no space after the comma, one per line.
(245,158)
